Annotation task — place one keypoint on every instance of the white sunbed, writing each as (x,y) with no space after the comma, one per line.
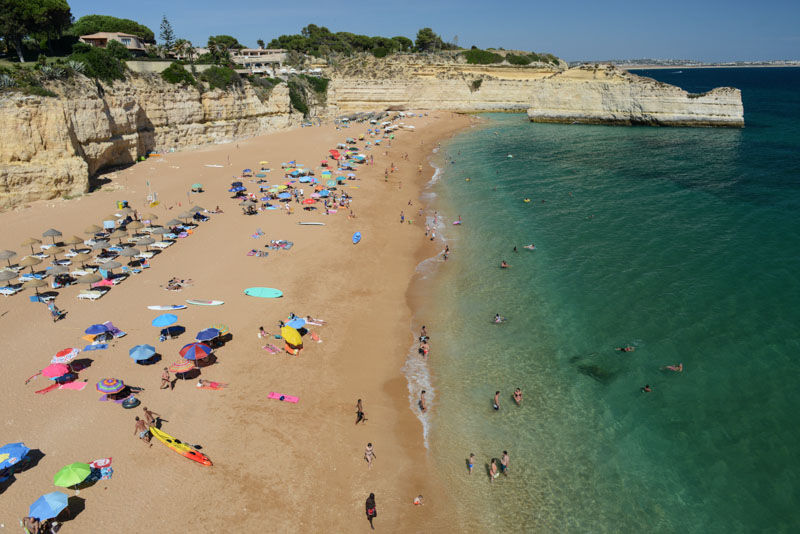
(163,244)
(10,290)
(146,255)
(93,294)
(98,259)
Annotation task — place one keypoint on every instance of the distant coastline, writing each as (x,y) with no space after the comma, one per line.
(710,66)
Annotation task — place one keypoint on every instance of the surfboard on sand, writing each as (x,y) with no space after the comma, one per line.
(280,397)
(356,237)
(170,307)
(311,224)
(263,292)
(205,302)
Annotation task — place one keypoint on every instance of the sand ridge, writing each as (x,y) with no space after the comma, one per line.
(277,467)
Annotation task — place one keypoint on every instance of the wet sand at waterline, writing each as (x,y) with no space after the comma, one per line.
(278,467)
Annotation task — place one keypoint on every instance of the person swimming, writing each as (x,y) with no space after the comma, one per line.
(498,318)
(677,368)
(626,349)
(504,265)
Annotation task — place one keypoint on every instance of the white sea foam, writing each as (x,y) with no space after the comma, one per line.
(419,378)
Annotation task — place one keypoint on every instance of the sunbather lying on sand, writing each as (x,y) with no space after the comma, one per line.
(315,322)
(177,281)
(208,384)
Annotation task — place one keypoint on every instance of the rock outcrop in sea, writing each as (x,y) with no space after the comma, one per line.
(604,94)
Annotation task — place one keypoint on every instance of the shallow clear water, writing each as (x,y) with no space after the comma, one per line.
(681,242)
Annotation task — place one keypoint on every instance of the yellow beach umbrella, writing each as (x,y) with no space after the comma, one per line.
(291,336)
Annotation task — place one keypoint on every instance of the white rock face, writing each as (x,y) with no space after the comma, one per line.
(607,95)
(49,147)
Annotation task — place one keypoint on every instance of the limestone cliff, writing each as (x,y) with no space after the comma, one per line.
(607,95)
(49,147)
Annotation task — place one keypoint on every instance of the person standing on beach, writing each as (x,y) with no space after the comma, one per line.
(372,511)
(424,349)
(504,463)
(493,472)
(402,217)
(471,462)
(148,417)
(165,379)
(141,428)
(424,334)
(360,413)
(422,405)
(496,403)
(369,455)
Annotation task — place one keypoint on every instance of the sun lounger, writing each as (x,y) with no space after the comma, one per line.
(10,290)
(162,244)
(146,255)
(113,330)
(28,276)
(95,294)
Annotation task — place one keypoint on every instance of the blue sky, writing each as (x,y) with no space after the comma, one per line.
(706,30)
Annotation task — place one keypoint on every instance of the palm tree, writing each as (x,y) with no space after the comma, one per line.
(183,49)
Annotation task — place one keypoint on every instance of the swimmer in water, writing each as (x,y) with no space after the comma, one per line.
(646,389)
(518,396)
(499,318)
(626,349)
(504,265)
(515,249)
(677,368)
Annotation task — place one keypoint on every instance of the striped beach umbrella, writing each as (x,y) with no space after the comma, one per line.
(110,385)
(195,351)
(223,328)
(65,355)
(181,366)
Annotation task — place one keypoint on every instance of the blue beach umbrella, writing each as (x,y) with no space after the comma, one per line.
(96,329)
(305,180)
(247,170)
(48,506)
(11,453)
(297,322)
(165,319)
(324,193)
(285,196)
(142,352)
(195,351)
(207,335)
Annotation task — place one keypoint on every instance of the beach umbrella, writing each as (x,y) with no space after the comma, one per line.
(223,328)
(11,453)
(92,229)
(100,244)
(197,186)
(118,234)
(72,474)
(7,275)
(165,319)
(263,162)
(285,196)
(54,370)
(81,258)
(291,335)
(65,355)
(174,222)
(34,284)
(89,278)
(134,225)
(308,201)
(247,170)
(207,335)
(130,252)
(110,385)
(58,269)
(261,175)
(181,366)
(297,322)
(331,183)
(111,265)
(195,351)
(145,241)
(74,240)
(52,233)
(54,251)
(142,352)
(160,230)
(97,329)
(30,242)
(150,217)
(197,209)
(184,215)
(48,506)
(7,255)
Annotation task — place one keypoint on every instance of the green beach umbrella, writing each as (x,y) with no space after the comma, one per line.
(72,474)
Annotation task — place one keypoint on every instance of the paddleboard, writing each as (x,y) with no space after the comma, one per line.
(285,398)
(164,308)
(217,166)
(181,448)
(311,224)
(205,302)
(356,237)
(263,292)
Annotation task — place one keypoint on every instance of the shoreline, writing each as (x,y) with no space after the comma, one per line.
(294,467)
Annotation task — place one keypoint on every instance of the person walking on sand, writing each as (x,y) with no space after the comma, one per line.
(504,463)
(369,455)
(471,462)
(149,417)
(402,217)
(360,413)
(496,403)
(372,511)
(493,472)
(422,405)
(165,379)
(418,501)
(143,431)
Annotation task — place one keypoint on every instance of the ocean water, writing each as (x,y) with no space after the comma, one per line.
(683,243)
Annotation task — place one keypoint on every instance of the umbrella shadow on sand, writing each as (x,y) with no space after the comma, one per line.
(155,358)
(209,360)
(81,363)
(75,505)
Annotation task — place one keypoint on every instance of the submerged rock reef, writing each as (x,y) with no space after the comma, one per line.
(607,95)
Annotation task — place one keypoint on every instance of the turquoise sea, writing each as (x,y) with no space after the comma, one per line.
(683,243)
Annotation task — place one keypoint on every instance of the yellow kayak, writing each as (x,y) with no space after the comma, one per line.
(181,448)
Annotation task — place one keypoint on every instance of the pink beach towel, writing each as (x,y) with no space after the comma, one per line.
(77,386)
(286,398)
(272,349)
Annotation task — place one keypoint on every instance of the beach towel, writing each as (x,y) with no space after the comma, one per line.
(315,337)
(101,346)
(77,386)
(272,349)
(280,397)
(105,398)
(48,389)
(101,463)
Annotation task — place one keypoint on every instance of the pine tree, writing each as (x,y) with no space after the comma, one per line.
(167,36)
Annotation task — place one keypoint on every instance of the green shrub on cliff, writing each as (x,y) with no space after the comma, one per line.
(177,73)
(518,60)
(481,57)
(297,97)
(220,77)
(100,63)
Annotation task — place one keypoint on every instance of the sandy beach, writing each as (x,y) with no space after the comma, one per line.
(278,467)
